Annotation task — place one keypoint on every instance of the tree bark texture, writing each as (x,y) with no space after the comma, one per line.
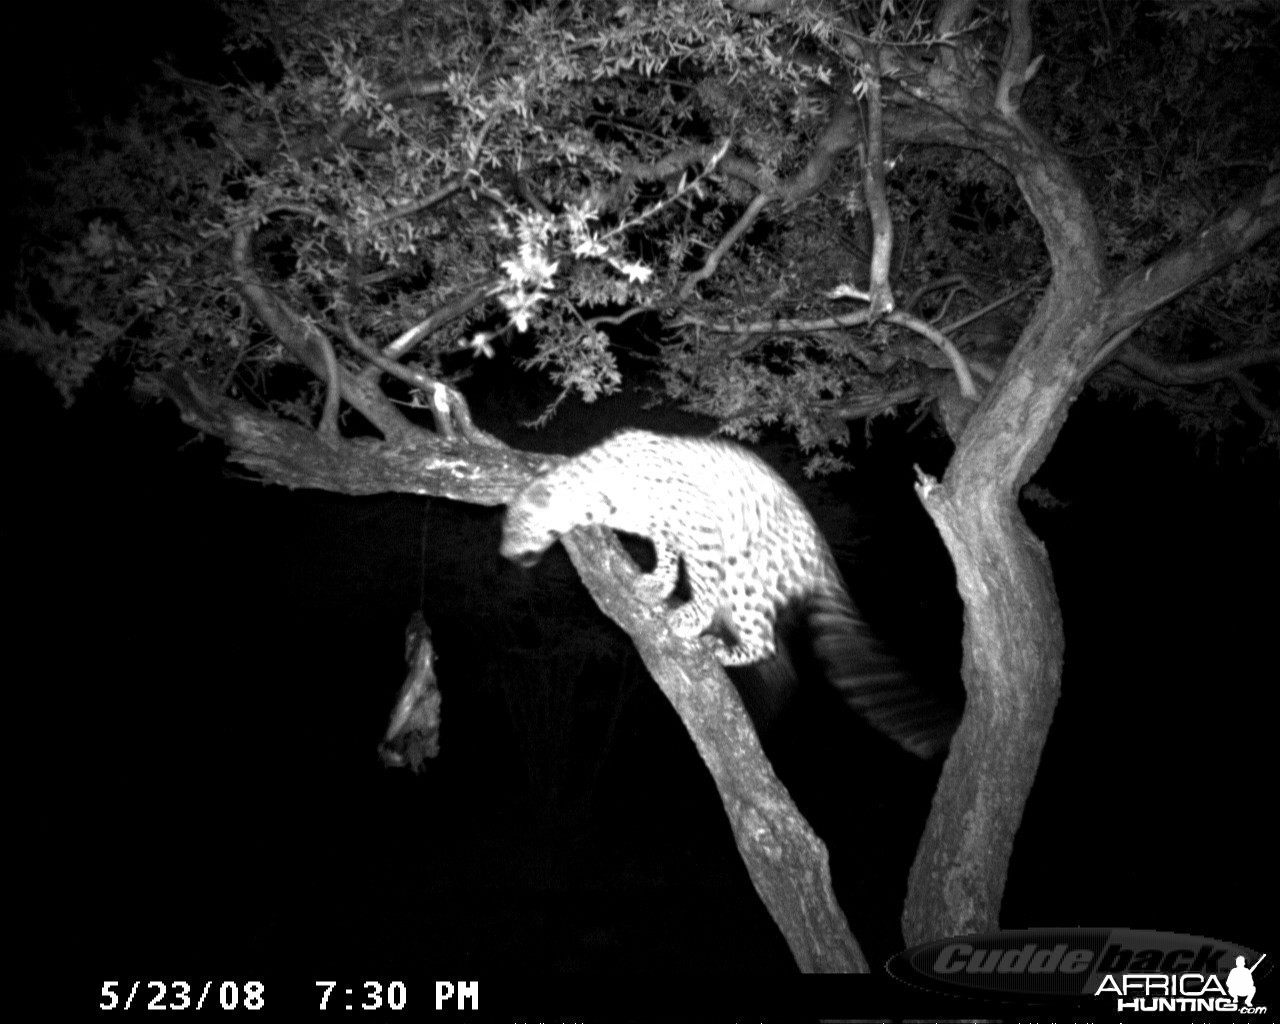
(786,860)
(1013,633)
(1013,639)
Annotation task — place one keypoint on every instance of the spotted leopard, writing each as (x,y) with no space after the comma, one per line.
(750,550)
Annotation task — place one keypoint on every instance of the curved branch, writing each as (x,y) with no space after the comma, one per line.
(1139,294)
(731,236)
(958,280)
(881,288)
(448,406)
(293,334)
(1201,371)
(840,134)
(943,343)
(862,316)
(1250,398)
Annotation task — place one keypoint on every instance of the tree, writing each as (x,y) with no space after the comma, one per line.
(387,193)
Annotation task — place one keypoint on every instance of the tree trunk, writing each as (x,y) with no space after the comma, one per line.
(786,860)
(1013,637)
(1013,647)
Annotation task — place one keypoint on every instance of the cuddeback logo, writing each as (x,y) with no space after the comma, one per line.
(1141,971)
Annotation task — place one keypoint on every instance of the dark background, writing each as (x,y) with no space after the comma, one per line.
(212,663)
(204,667)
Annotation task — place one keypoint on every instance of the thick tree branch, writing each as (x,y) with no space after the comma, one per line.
(1200,371)
(1013,630)
(287,453)
(787,862)
(1145,290)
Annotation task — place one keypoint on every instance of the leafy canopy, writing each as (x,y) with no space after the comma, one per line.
(521,178)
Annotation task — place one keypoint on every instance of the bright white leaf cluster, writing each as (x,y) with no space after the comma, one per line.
(530,274)
(541,237)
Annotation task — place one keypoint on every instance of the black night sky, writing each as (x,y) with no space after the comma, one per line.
(206,665)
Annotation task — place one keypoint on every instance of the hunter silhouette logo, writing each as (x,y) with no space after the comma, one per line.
(1130,971)
(1185,991)
(1240,981)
